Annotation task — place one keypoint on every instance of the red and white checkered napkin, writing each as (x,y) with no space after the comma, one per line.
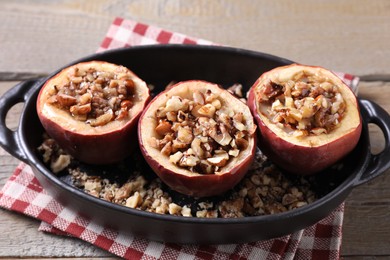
(23,193)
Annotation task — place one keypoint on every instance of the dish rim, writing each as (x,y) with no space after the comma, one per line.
(34,159)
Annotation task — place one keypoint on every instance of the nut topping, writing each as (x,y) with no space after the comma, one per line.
(94,96)
(306,104)
(264,189)
(205,132)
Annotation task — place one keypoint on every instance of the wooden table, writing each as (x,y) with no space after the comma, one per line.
(350,36)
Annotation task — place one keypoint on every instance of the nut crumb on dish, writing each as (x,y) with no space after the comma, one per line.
(53,155)
(264,190)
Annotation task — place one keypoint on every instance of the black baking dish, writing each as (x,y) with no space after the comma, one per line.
(158,65)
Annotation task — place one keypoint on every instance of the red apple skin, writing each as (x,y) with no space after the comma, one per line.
(105,147)
(297,159)
(196,185)
(101,149)
(199,186)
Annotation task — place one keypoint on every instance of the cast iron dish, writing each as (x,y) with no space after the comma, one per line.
(158,65)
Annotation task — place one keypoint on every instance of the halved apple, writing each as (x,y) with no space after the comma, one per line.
(198,138)
(307,116)
(91,109)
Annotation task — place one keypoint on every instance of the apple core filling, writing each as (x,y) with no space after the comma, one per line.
(306,104)
(201,134)
(94,96)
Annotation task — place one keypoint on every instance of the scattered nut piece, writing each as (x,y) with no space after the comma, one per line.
(60,163)
(134,200)
(174,209)
(264,190)
(186,212)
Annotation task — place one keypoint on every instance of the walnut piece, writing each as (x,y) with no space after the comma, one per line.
(306,104)
(200,133)
(95,97)
(264,190)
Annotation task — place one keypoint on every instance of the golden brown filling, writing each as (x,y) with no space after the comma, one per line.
(305,105)
(201,134)
(96,97)
(264,190)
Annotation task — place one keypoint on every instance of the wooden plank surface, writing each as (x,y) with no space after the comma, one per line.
(366,229)
(351,36)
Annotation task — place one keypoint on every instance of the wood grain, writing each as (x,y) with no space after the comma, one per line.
(349,36)
(37,37)
(366,224)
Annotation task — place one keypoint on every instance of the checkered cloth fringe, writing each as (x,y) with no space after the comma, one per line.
(23,193)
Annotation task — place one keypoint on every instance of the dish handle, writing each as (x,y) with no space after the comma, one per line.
(379,163)
(10,139)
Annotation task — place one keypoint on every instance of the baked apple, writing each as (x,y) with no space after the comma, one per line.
(308,117)
(91,109)
(198,138)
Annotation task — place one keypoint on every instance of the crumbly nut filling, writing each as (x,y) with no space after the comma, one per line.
(96,97)
(307,104)
(200,134)
(264,190)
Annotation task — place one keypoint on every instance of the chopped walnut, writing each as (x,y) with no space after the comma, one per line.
(95,97)
(174,209)
(200,134)
(307,104)
(58,159)
(264,190)
(232,208)
(61,163)
(93,186)
(186,211)
(134,200)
